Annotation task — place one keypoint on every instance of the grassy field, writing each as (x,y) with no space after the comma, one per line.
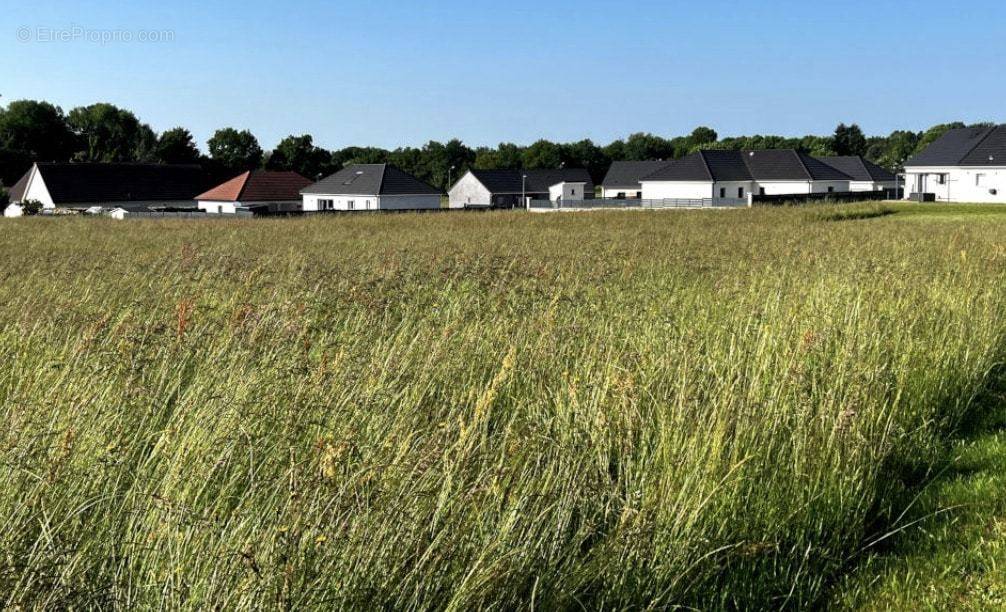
(715,409)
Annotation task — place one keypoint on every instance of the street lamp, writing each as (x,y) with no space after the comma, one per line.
(523,191)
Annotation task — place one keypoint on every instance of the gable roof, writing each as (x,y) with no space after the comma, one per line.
(629,173)
(371,179)
(16,193)
(258,186)
(538,181)
(859,168)
(765,165)
(73,183)
(970,146)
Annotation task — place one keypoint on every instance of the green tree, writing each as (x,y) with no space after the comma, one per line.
(106,133)
(585,154)
(506,156)
(4,196)
(900,145)
(176,146)
(702,138)
(36,129)
(848,140)
(236,151)
(641,147)
(544,155)
(358,155)
(299,154)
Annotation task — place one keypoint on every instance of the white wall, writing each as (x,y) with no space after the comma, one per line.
(677,190)
(860,186)
(36,190)
(341,202)
(567,191)
(370,202)
(469,191)
(960,185)
(13,210)
(730,190)
(230,208)
(630,192)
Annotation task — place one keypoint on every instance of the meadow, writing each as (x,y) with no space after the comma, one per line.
(713,409)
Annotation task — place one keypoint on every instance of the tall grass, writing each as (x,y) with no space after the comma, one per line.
(463,411)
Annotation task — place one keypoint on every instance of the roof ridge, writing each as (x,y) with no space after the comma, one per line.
(803,164)
(246,175)
(988,132)
(705,162)
(384,174)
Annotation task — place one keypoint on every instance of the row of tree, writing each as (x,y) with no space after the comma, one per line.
(39,131)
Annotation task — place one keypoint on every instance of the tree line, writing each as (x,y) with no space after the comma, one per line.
(33,131)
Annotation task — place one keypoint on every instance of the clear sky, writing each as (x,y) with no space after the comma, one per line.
(392,73)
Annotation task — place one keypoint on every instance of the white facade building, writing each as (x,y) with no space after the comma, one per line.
(964,165)
(129,186)
(730,177)
(502,188)
(623,180)
(255,191)
(370,187)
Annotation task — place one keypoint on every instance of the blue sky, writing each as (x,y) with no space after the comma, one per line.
(388,73)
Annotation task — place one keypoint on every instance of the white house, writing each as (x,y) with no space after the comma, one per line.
(964,165)
(506,188)
(866,175)
(255,191)
(362,187)
(729,177)
(129,186)
(623,178)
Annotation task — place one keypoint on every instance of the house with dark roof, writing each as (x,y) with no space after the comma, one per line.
(130,187)
(362,187)
(514,188)
(729,177)
(623,178)
(256,191)
(964,165)
(866,175)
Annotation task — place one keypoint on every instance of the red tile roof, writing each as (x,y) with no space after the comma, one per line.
(258,186)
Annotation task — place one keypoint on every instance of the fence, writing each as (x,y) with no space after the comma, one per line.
(844,196)
(598,204)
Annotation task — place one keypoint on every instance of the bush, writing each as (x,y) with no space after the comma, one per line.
(31,207)
(4,197)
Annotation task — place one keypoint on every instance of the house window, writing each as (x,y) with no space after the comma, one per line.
(831,190)
(941,179)
(572,192)
(368,205)
(723,192)
(761,191)
(351,205)
(325,205)
(740,192)
(621,195)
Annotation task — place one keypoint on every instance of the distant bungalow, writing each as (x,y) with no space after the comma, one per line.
(127,187)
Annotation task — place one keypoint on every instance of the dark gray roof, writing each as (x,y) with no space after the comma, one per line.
(767,165)
(16,193)
(629,173)
(538,181)
(858,168)
(371,179)
(971,146)
(86,183)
